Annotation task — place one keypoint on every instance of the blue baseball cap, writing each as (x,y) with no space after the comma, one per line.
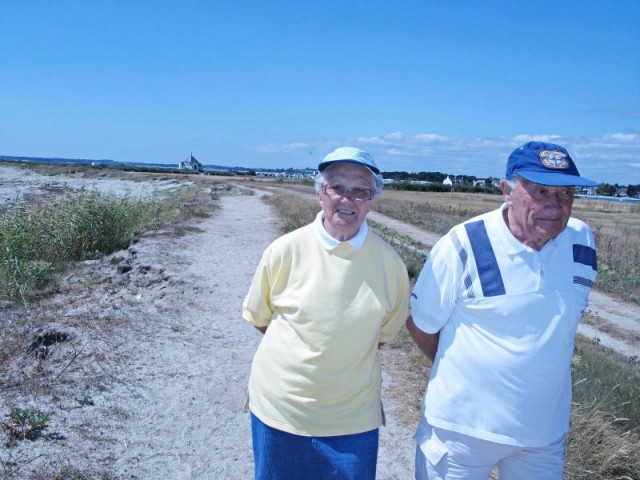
(351,155)
(545,164)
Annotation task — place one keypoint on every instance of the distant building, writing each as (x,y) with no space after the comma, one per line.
(191,163)
(297,174)
(456,180)
(587,190)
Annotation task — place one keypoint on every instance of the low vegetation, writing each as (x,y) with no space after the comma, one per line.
(25,423)
(604,437)
(619,264)
(46,234)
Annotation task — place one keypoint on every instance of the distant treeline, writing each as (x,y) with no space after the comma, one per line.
(419,182)
(434,177)
(432,182)
(439,187)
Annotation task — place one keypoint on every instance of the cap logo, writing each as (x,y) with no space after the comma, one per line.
(554,159)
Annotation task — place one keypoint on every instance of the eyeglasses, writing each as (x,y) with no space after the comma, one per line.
(357,194)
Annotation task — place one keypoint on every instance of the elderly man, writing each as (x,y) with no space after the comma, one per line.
(496,307)
(325,296)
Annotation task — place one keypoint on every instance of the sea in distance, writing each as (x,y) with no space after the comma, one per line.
(610,199)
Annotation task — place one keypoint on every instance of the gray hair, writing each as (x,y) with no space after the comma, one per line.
(514,181)
(321,180)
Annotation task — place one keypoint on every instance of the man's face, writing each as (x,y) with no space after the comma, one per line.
(537,213)
(346,199)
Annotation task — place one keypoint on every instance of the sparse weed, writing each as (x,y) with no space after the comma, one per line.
(25,423)
(619,264)
(86,400)
(608,380)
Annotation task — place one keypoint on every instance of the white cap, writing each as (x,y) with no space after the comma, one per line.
(351,155)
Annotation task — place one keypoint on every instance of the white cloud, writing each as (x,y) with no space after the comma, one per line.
(623,137)
(394,136)
(291,147)
(285,148)
(399,152)
(430,137)
(524,138)
(371,140)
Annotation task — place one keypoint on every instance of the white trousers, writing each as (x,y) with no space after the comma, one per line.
(446,455)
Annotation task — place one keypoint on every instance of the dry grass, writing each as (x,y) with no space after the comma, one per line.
(294,211)
(45,233)
(598,449)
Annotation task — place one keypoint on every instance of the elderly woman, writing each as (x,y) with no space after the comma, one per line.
(325,296)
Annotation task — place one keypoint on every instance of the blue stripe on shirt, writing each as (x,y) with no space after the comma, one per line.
(488,270)
(585,255)
(583,281)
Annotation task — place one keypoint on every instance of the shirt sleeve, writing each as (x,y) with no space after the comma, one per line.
(436,291)
(257,307)
(398,316)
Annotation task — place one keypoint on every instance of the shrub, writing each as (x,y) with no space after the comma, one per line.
(25,423)
(42,236)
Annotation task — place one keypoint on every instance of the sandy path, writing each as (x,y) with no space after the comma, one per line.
(177,360)
(192,376)
(195,376)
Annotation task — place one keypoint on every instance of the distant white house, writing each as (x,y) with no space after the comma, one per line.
(621,192)
(587,190)
(191,163)
(447,181)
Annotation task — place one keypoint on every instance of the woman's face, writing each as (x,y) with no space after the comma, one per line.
(346,198)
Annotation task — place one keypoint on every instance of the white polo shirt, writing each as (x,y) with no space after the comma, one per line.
(507,316)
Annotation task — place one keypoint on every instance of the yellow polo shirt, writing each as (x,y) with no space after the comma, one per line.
(317,371)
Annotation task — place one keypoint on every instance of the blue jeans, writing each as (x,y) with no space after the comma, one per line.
(280,455)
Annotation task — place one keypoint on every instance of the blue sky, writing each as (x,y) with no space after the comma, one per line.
(449,86)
